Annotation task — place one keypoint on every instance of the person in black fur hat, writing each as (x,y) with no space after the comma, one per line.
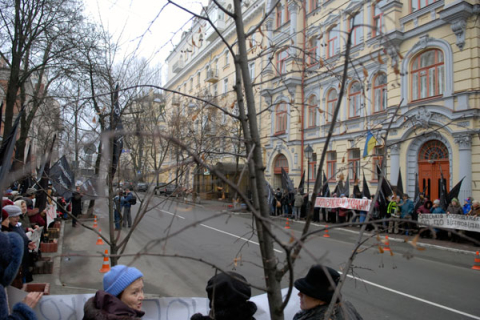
(316,292)
(228,294)
(10,260)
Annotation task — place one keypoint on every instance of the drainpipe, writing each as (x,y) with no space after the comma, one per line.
(303,87)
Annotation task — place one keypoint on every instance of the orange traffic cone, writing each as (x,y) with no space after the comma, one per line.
(106,264)
(287,224)
(326,235)
(99,240)
(476,262)
(387,244)
(95,225)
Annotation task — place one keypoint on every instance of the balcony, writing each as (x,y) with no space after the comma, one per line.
(212,75)
(178,66)
(211,34)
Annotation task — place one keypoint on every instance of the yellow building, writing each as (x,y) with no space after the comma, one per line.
(413,66)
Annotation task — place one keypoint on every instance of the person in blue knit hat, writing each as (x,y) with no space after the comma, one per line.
(121,297)
(11,256)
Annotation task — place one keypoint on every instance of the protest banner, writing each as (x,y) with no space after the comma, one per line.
(70,306)
(51,213)
(346,203)
(35,237)
(450,221)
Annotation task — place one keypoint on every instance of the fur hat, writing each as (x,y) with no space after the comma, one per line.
(119,278)
(10,256)
(31,191)
(228,289)
(317,285)
(13,211)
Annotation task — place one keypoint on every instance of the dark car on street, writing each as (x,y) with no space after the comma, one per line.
(160,188)
(142,186)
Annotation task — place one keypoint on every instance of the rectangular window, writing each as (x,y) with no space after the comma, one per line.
(312,111)
(331,165)
(279,16)
(333,45)
(251,70)
(377,21)
(312,5)
(226,59)
(357,33)
(376,161)
(225,86)
(312,171)
(312,52)
(287,13)
(418,4)
(353,163)
(198,79)
(281,62)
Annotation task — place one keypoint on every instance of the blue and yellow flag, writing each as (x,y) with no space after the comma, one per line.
(370,143)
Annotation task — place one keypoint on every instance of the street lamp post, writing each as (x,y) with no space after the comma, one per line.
(308,153)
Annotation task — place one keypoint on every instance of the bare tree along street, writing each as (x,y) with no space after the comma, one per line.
(410,284)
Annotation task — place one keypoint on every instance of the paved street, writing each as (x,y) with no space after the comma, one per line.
(434,284)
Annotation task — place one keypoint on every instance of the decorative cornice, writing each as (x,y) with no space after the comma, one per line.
(457,14)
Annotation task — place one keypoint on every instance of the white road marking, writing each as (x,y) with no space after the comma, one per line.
(235,236)
(414,297)
(173,214)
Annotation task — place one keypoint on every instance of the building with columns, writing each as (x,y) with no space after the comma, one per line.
(413,72)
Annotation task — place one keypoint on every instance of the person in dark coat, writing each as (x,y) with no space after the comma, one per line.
(76,206)
(121,297)
(228,294)
(316,292)
(10,261)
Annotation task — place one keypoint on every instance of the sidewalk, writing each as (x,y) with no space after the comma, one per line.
(62,277)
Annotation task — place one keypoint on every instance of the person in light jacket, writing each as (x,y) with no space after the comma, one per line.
(298,205)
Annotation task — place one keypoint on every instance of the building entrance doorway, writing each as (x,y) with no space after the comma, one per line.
(432,163)
(279,163)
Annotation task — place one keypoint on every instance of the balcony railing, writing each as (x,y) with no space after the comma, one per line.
(178,66)
(212,75)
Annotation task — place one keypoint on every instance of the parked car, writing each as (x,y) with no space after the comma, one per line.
(171,190)
(142,186)
(127,184)
(160,188)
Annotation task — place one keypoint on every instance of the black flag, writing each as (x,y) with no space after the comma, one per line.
(443,191)
(400,183)
(366,190)
(326,188)
(356,188)
(89,189)
(287,183)
(6,152)
(63,178)
(118,138)
(455,191)
(346,189)
(301,185)
(416,197)
(41,199)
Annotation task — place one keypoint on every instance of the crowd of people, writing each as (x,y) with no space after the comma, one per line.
(296,204)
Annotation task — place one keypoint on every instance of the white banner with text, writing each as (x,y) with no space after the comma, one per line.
(346,203)
(451,221)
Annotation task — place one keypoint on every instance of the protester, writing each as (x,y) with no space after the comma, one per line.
(455,208)
(342,212)
(126,204)
(121,297)
(391,214)
(117,209)
(278,206)
(14,213)
(10,260)
(298,205)
(467,206)
(475,211)
(436,208)
(35,216)
(406,210)
(76,205)
(285,203)
(228,294)
(316,292)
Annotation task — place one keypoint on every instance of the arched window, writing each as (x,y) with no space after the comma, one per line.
(428,78)
(312,112)
(354,95)
(280,162)
(281,118)
(332,98)
(380,92)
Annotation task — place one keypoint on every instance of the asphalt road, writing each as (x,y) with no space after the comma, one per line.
(410,284)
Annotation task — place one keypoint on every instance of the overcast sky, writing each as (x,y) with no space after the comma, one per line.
(130,19)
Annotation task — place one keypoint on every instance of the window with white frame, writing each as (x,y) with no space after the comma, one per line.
(251,70)
(428,75)
(225,86)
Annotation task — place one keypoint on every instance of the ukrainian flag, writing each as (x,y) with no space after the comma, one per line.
(370,143)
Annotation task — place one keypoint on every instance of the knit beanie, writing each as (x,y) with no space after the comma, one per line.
(13,211)
(119,278)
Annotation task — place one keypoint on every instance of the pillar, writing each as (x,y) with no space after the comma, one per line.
(464,143)
(394,163)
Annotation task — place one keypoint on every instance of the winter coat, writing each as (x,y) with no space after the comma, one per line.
(406,208)
(438,210)
(126,200)
(237,311)
(76,204)
(475,212)
(455,209)
(104,306)
(116,203)
(425,208)
(298,200)
(467,206)
(318,313)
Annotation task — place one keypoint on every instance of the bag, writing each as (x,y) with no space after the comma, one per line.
(133,200)
(279,204)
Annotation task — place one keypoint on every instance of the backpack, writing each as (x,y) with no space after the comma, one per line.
(133,200)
